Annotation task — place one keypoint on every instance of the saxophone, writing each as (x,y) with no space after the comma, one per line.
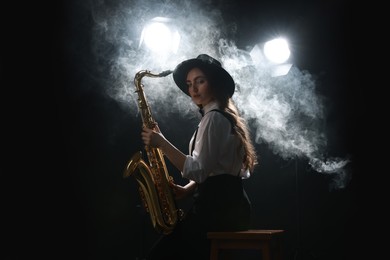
(153,177)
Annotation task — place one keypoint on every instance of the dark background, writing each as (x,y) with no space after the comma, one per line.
(66,145)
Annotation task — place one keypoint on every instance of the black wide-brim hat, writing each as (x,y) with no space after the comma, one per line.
(208,63)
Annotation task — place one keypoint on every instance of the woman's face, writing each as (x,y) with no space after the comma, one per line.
(198,87)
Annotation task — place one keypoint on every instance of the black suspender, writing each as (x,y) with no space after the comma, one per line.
(228,117)
(193,143)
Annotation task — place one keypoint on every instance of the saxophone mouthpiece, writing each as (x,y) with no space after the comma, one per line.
(165,73)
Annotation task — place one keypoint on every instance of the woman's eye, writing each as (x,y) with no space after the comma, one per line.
(196,82)
(200,81)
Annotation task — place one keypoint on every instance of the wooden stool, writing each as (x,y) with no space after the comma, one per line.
(268,241)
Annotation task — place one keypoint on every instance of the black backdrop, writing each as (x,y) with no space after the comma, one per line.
(66,145)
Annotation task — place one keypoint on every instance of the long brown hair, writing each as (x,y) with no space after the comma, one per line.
(240,125)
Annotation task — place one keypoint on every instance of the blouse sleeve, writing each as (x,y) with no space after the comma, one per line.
(213,133)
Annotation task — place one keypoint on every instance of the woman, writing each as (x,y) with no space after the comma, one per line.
(221,154)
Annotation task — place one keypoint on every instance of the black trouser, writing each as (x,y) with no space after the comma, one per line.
(220,204)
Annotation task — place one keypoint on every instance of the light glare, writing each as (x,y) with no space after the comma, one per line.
(277,50)
(159,37)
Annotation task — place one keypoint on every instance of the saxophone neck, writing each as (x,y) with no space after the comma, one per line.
(142,73)
(146,112)
(165,73)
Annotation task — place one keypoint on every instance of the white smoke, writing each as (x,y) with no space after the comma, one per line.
(285,112)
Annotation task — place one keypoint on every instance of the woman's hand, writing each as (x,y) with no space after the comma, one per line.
(152,137)
(182,192)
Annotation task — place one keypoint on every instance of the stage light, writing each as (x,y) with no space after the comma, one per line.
(277,50)
(160,35)
(273,55)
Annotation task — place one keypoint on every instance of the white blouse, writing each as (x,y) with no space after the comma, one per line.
(215,149)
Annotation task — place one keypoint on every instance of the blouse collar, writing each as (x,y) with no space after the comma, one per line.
(210,106)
